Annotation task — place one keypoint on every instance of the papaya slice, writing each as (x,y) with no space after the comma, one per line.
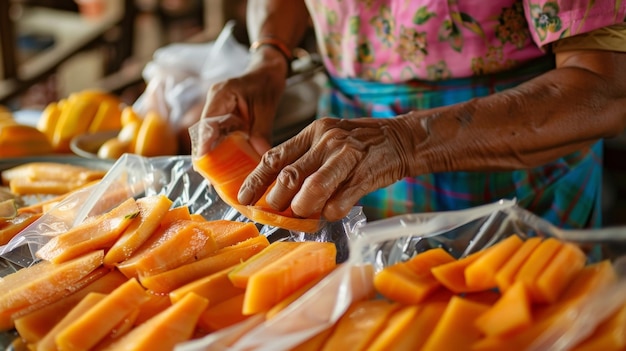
(590,279)
(185,238)
(216,288)
(12,226)
(360,324)
(95,233)
(481,274)
(272,312)
(456,330)
(151,210)
(175,214)
(240,275)
(452,274)
(271,283)
(555,278)
(165,282)
(164,331)
(505,276)
(153,306)
(412,281)
(91,327)
(43,282)
(227,165)
(512,312)
(227,233)
(33,326)
(223,314)
(398,332)
(537,262)
(48,342)
(120,329)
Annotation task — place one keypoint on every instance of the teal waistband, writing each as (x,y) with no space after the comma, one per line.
(363,88)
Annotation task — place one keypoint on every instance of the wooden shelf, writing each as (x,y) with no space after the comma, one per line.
(72,33)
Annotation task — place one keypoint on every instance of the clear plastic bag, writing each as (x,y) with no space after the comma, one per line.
(180,75)
(136,176)
(385,242)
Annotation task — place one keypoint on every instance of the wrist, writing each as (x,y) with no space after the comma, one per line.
(273,57)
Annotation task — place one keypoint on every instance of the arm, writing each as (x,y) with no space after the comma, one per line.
(254,96)
(559,112)
(333,163)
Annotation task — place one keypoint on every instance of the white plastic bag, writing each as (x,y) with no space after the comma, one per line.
(180,75)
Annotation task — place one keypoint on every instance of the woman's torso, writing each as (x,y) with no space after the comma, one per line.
(400,40)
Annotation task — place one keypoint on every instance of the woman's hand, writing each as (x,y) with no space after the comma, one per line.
(330,165)
(250,101)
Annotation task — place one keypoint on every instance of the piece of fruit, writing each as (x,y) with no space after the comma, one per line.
(49,119)
(93,234)
(164,331)
(114,148)
(226,166)
(43,283)
(18,140)
(107,118)
(74,120)
(155,137)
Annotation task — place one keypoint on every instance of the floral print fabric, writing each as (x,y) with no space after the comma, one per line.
(394,41)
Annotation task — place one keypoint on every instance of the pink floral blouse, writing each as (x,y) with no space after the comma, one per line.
(400,40)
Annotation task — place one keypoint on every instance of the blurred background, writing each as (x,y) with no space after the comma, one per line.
(51,48)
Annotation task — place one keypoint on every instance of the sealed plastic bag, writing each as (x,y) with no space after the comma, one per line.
(385,242)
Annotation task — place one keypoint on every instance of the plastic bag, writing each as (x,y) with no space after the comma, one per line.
(180,75)
(136,176)
(385,242)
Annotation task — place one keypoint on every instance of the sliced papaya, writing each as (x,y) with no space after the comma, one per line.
(223,314)
(268,285)
(189,241)
(227,233)
(226,167)
(151,210)
(164,331)
(95,233)
(511,313)
(167,281)
(481,274)
(33,326)
(86,331)
(452,274)
(456,330)
(48,342)
(216,287)
(360,324)
(43,282)
(12,226)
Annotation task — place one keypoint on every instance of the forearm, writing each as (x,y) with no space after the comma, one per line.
(557,113)
(283,20)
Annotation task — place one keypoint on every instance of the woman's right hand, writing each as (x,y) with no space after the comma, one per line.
(252,97)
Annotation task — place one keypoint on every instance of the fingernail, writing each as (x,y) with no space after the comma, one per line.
(245,195)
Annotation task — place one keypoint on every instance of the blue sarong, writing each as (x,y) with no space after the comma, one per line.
(566,192)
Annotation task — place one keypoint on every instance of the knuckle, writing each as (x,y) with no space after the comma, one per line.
(272,158)
(289,177)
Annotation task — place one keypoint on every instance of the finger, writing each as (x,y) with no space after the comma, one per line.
(291,178)
(344,198)
(272,162)
(321,185)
